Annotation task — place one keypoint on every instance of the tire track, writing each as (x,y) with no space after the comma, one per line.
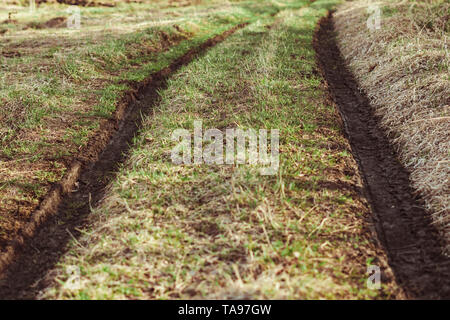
(403,227)
(30,259)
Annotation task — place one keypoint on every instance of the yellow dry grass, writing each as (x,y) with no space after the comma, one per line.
(404,69)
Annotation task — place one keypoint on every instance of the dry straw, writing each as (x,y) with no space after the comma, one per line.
(404,69)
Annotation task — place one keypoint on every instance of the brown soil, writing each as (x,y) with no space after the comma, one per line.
(412,244)
(58,22)
(181,3)
(10,21)
(10,54)
(41,243)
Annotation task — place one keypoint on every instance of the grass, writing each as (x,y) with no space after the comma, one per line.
(167,231)
(58,85)
(404,69)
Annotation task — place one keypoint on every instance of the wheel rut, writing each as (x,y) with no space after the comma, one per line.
(28,263)
(403,227)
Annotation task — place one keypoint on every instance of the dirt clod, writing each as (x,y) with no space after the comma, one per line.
(58,22)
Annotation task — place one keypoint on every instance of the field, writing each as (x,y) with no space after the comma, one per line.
(93,206)
(61,87)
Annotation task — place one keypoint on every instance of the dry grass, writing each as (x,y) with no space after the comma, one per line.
(404,69)
(208,231)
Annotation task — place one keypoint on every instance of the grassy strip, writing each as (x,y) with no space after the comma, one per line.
(220,231)
(58,86)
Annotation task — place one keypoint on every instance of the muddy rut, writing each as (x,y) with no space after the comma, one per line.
(28,262)
(403,227)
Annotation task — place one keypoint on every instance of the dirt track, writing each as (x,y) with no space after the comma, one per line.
(34,255)
(402,225)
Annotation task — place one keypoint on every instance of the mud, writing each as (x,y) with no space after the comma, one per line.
(83,3)
(403,226)
(27,262)
(58,22)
